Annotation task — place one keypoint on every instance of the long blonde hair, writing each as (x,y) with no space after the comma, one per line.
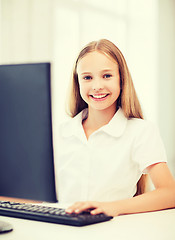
(127,99)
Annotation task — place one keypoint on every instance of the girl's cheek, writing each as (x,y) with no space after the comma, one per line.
(83,93)
(83,89)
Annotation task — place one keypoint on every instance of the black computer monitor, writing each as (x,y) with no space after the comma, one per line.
(26,148)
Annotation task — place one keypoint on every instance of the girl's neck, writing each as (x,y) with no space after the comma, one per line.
(97,119)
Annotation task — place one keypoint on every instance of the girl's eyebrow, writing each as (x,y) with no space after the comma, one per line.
(84,73)
(104,70)
(107,70)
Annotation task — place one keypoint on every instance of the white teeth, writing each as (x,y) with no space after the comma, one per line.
(99,96)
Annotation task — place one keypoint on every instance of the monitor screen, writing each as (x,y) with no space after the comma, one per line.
(26,148)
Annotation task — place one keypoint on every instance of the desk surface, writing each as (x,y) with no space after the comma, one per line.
(143,226)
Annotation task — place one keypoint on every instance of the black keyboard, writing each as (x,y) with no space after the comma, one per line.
(49,214)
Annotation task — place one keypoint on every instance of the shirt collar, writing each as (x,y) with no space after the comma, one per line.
(114,128)
(117,124)
(73,126)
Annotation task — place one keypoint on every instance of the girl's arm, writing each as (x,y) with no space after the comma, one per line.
(162,197)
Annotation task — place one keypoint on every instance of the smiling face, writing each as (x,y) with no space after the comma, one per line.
(99,81)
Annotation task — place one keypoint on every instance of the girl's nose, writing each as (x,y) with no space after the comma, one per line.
(97,84)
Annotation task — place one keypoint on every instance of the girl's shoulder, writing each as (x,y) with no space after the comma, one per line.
(142,128)
(133,124)
(70,125)
(65,126)
(139,123)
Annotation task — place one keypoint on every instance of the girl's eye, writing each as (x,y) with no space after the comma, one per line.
(87,77)
(107,76)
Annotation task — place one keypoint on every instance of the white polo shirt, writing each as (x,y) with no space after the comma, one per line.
(108,165)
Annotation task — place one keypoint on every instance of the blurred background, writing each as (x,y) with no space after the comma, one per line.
(56,30)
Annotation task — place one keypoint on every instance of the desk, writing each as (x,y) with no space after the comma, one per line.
(143,226)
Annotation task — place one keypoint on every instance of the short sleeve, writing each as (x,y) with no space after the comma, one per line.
(148,147)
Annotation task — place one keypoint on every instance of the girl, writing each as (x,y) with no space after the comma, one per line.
(107,149)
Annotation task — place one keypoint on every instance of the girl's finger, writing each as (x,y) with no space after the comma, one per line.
(84,206)
(79,207)
(96,211)
(73,207)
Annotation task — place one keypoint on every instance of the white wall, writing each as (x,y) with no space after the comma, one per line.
(166,77)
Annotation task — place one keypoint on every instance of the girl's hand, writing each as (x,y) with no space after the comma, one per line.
(109,208)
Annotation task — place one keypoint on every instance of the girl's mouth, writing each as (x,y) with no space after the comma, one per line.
(99,97)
